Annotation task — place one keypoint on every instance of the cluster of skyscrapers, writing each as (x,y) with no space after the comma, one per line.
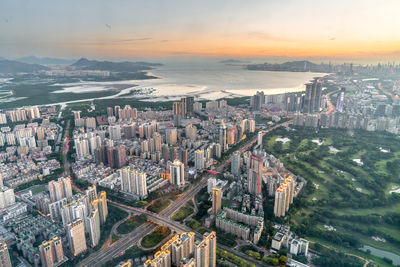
(183,250)
(184,108)
(134,182)
(257,101)
(52,252)
(125,113)
(284,197)
(312,97)
(340,100)
(216,200)
(18,115)
(177,173)
(81,214)
(255,175)
(308,102)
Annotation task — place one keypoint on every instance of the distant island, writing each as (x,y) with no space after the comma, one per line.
(126,66)
(231,61)
(293,66)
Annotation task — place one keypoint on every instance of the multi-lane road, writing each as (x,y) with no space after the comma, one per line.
(66,163)
(132,238)
(163,218)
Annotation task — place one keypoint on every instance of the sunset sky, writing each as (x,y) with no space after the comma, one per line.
(119,29)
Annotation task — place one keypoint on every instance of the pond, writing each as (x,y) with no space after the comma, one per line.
(382,253)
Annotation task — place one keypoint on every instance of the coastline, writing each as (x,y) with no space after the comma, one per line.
(163,88)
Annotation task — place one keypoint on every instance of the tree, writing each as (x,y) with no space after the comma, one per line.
(282,259)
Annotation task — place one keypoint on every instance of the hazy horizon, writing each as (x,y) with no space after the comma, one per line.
(339,31)
(199,59)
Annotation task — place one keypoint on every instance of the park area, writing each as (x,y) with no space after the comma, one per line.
(130,224)
(184,212)
(351,200)
(158,205)
(158,235)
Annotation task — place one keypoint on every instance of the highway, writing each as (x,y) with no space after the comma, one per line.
(180,228)
(386,92)
(66,163)
(133,237)
(163,218)
(331,107)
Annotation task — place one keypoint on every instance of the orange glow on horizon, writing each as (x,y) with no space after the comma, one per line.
(337,29)
(238,48)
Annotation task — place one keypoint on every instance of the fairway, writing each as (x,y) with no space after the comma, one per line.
(352,198)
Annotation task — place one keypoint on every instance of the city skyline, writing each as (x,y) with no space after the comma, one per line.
(362,30)
(199,133)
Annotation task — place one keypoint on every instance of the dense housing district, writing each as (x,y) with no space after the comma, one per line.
(231,182)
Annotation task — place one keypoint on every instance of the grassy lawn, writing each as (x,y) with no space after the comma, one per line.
(38,189)
(339,191)
(233,258)
(183,212)
(391,230)
(155,237)
(115,214)
(226,239)
(159,205)
(364,212)
(193,223)
(389,187)
(358,230)
(131,224)
(360,253)
(202,230)
(114,238)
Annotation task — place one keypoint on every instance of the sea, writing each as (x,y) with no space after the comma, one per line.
(203,79)
(213,80)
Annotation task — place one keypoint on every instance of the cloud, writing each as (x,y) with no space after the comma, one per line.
(265,51)
(180,53)
(332,39)
(260,35)
(133,40)
(164,41)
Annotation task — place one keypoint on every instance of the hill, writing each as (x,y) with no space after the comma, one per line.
(11,66)
(232,61)
(126,66)
(45,60)
(294,66)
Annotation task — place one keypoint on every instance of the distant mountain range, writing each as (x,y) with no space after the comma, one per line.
(12,66)
(232,61)
(31,64)
(294,66)
(46,60)
(126,66)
